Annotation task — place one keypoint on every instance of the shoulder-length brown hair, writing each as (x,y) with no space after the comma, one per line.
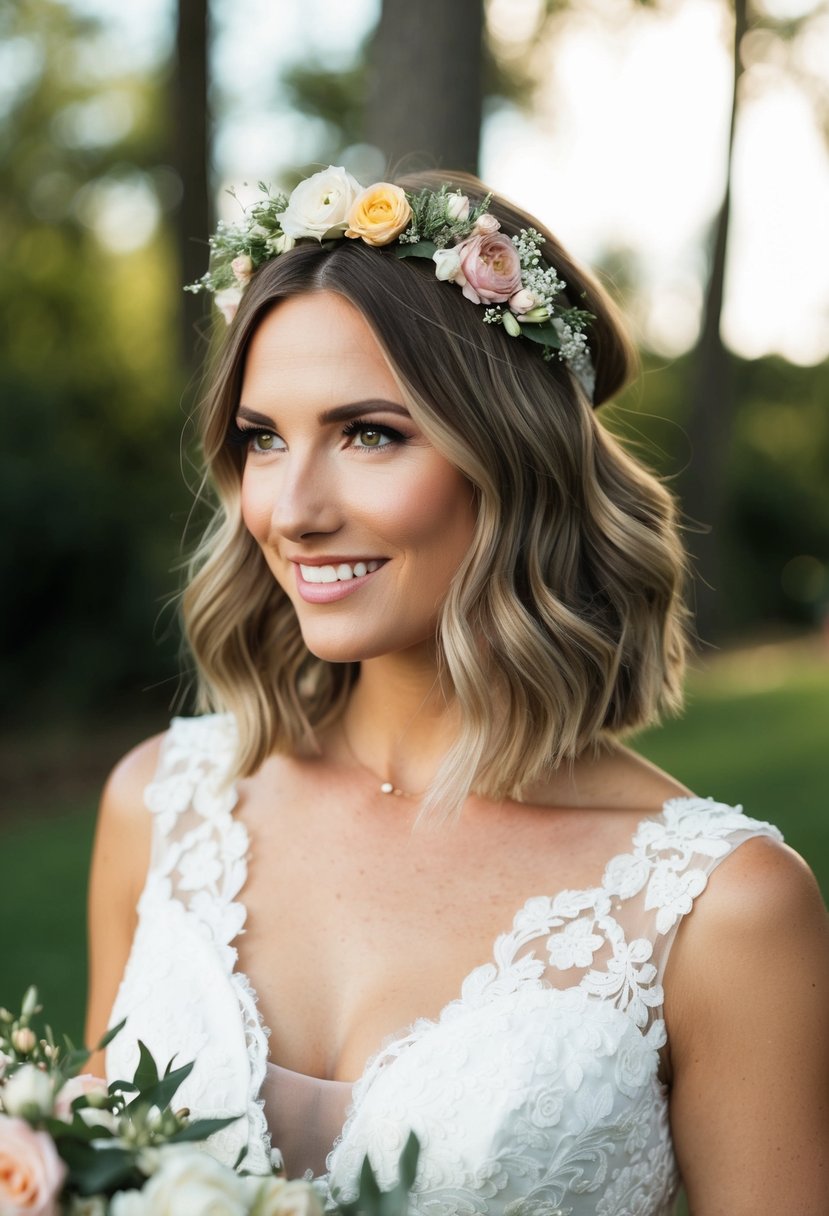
(566,622)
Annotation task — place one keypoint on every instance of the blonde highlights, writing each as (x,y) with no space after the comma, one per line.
(566,623)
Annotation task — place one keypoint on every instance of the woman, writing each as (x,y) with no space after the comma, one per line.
(434,595)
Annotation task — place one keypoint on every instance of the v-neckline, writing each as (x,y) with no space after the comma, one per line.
(397,1039)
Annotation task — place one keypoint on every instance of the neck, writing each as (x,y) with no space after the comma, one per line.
(398,723)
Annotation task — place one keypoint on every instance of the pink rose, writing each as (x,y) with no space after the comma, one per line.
(523,301)
(485,225)
(31,1172)
(242,267)
(86,1083)
(491,268)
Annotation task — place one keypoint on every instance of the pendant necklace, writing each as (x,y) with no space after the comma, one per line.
(385,787)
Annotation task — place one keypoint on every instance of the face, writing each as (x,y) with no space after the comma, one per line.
(361,520)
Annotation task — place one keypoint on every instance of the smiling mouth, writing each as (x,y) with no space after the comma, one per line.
(341,573)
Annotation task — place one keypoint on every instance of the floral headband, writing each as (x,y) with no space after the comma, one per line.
(464,242)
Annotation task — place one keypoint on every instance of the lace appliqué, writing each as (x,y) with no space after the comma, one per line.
(201,862)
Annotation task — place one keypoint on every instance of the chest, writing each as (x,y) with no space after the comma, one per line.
(356,926)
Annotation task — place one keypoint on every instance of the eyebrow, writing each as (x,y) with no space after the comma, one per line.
(340,413)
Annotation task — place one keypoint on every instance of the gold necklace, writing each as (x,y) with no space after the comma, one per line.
(385,787)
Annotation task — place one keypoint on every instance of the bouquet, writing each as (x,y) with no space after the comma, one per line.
(71,1145)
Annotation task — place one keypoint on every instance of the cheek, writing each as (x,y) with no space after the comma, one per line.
(437,512)
(256,508)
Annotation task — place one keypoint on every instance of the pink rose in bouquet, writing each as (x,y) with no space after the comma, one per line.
(31,1172)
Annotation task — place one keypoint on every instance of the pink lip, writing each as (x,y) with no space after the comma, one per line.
(326,593)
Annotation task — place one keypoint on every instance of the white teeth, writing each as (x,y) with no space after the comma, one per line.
(341,573)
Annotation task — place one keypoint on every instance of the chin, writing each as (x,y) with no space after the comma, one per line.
(351,649)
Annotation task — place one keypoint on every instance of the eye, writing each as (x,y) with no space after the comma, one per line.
(372,435)
(251,440)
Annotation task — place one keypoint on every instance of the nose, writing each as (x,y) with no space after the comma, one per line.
(306,498)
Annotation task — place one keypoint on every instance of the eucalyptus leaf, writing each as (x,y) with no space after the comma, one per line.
(422,249)
(545,335)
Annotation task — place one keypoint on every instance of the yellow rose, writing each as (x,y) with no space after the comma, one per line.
(379,214)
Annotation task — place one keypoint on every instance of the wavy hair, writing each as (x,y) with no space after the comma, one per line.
(566,623)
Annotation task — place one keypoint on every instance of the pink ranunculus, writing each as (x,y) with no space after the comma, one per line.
(242,267)
(491,267)
(31,1172)
(86,1083)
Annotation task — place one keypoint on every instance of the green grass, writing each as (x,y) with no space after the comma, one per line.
(44,866)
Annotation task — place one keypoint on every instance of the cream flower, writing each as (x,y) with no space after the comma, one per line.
(379,214)
(276,1197)
(28,1092)
(457,206)
(189,1180)
(227,302)
(448,266)
(485,225)
(31,1172)
(319,206)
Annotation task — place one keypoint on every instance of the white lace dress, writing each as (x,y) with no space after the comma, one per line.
(534,1093)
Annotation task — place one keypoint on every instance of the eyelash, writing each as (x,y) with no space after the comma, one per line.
(243,436)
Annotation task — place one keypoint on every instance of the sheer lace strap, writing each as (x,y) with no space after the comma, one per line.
(658,881)
(193,765)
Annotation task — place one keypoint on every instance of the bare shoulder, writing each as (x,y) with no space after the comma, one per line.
(762,888)
(747,1012)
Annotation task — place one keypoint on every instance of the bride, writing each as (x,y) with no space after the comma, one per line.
(402,872)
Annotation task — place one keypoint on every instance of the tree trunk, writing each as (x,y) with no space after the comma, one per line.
(712,405)
(191,157)
(424,103)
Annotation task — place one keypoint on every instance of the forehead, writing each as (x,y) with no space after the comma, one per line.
(315,347)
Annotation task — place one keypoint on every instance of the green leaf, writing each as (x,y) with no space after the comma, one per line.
(200,1129)
(161,1093)
(146,1074)
(423,249)
(408,1161)
(545,335)
(243,1152)
(126,1087)
(95,1170)
(110,1035)
(369,1189)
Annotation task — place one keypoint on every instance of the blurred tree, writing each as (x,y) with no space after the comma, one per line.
(424,96)
(191,139)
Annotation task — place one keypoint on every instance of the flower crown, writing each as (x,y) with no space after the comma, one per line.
(464,242)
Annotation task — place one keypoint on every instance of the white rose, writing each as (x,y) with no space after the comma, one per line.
(128,1203)
(227,301)
(457,206)
(190,1180)
(28,1093)
(276,1197)
(319,206)
(448,266)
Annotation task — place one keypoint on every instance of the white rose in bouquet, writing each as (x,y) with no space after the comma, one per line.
(29,1093)
(189,1180)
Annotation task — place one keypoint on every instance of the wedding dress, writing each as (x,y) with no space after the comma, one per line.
(534,1093)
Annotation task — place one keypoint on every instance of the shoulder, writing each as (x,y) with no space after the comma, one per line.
(761,922)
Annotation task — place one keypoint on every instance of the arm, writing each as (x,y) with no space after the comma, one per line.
(120,859)
(747,1007)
